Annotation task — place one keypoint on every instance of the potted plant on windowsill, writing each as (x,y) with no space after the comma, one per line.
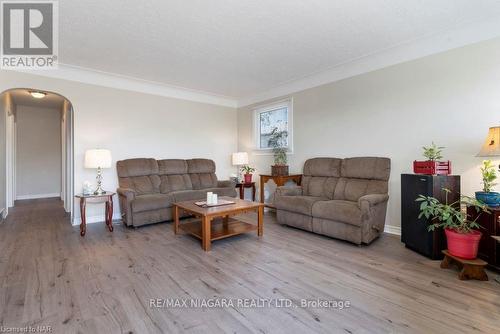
(278,142)
(432,166)
(487,196)
(462,235)
(247,173)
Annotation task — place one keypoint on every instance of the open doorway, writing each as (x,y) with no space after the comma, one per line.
(39,146)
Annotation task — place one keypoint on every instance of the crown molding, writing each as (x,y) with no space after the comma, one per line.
(451,39)
(111,80)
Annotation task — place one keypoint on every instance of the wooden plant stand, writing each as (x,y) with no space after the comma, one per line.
(469,269)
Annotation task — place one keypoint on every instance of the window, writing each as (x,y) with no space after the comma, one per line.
(271,119)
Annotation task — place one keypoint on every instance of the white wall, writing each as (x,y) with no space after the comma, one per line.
(137,125)
(38,158)
(450,98)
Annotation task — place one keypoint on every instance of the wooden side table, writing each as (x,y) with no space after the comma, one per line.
(107,198)
(241,186)
(279,180)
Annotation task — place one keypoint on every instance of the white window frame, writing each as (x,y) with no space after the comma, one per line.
(288,103)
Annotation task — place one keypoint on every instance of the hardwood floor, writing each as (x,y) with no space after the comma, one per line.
(103,283)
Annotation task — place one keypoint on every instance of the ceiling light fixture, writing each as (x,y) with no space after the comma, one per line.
(38,95)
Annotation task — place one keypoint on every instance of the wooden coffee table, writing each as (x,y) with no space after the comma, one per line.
(216,222)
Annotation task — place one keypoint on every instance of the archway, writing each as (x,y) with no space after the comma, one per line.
(14,97)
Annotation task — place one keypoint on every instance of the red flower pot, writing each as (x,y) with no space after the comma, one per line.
(463,245)
(248,178)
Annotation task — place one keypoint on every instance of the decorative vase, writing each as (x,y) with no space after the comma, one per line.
(248,178)
(279,170)
(489,198)
(463,245)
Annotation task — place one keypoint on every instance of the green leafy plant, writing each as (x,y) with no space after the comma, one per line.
(433,152)
(278,141)
(488,170)
(247,169)
(450,215)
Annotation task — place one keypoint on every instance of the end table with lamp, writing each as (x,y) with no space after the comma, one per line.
(97,159)
(240,159)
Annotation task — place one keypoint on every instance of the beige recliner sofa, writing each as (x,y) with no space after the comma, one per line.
(149,187)
(340,198)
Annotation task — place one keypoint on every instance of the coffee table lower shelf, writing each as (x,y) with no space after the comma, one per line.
(219,229)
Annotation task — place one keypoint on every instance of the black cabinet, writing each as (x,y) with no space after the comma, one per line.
(414,233)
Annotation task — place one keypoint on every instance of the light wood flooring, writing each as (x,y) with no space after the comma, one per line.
(103,283)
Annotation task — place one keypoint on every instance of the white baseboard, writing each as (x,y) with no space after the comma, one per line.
(96,219)
(37,196)
(392,229)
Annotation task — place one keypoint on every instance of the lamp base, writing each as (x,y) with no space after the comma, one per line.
(99,190)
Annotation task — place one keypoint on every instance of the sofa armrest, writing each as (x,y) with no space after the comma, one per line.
(289,191)
(369,201)
(372,199)
(128,193)
(226,184)
(125,197)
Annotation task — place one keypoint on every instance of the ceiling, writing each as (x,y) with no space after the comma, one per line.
(23,97)
(239,49)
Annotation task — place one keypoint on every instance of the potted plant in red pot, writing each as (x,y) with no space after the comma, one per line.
(247,173)
(462,235)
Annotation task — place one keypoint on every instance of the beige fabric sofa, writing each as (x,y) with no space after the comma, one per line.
(149,187)
(340,198)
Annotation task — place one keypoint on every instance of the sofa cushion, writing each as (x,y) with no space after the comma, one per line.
(366,168)
(202,173)
(322,167)
(147,184)
(200,166)
(342,211)
(203,180)
(319,186)
(136,167)
(352,189)
(175,182)
(139,175)
(172,166)
(298,204)
(152,202)
(189,195)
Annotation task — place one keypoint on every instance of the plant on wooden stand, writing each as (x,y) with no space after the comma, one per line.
(247,173)
(278,141)
(461,233)
(488,196)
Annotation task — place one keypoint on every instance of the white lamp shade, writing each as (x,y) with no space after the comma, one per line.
(491,146)
(240,158)
(97,158)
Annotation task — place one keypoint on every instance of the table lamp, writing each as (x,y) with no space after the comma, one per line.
(240,159)
(491,146)
(98,158)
